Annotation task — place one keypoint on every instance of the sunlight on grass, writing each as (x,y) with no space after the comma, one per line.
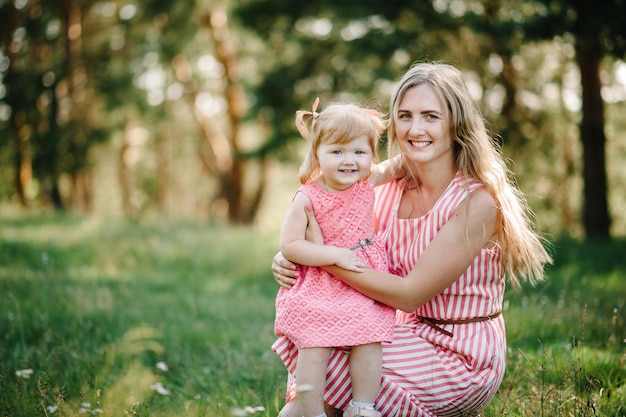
(563,381)
(157,319)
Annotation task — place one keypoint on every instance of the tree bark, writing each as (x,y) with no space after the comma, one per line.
(596,218)
(231,182)
(23,157)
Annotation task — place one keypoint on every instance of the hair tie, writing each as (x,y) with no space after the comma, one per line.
(314,107)
(373,112)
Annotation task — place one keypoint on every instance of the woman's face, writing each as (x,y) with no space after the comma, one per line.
(422,127)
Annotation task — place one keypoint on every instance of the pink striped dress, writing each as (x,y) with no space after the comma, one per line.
(426,372)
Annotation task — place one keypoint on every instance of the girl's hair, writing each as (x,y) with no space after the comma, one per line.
(478,156)
(337,124)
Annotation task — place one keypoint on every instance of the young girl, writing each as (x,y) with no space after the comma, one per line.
(321,312)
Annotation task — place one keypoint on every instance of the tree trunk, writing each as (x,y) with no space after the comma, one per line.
(231,182)
(163,170)
(596,219)
(125,174)
(23,157)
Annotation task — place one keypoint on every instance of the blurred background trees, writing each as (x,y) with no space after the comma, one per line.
(185,109)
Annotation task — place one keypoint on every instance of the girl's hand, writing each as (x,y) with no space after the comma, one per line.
(347,259)
(285,272)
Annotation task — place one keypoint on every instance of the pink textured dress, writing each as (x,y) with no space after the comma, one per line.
(425,371)
(320,310)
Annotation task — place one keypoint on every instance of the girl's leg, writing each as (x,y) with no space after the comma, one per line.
(311,380)
(291,409)
(366,367)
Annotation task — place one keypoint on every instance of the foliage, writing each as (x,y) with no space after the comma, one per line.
(66,65)
(68,97)
(518,58)
(165,319)
(338,51)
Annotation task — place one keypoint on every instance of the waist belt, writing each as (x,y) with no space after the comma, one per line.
(434,323)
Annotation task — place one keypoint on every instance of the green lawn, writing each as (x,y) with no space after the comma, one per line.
(176,319)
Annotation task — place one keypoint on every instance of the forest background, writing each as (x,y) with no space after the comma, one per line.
(184,110)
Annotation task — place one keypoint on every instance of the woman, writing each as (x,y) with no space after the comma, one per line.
(454,227)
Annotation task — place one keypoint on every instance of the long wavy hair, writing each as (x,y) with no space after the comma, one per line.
(338,123)
(478,155)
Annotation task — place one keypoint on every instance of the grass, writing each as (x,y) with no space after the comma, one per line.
(176,319)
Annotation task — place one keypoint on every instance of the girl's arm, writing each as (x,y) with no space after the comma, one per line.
(445,259)
(297,249)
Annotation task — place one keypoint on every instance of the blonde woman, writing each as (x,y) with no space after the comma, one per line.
(455,227)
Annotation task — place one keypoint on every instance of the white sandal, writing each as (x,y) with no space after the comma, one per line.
(354,411)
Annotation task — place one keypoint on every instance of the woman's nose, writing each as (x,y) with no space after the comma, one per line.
(416,127)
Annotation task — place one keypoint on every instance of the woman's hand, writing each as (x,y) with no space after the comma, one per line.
(313,232)
(285,272)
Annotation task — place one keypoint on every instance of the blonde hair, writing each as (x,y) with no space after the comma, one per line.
(478,156)
(337,124)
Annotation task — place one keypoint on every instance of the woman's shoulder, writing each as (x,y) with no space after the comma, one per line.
(466,182)
(458,191)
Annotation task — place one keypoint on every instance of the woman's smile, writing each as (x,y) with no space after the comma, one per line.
(420,143)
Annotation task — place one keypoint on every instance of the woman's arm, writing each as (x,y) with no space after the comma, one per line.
(446,258)
(383,172)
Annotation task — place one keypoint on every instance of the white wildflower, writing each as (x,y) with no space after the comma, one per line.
(52,409)
(24,373)
(162,366)
(247,410)
(159,388)
(252,410)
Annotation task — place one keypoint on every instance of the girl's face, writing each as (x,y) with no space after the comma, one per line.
(422,127)
(344,164)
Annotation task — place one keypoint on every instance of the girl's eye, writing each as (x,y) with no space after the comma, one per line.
(336,152)
(404,116)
